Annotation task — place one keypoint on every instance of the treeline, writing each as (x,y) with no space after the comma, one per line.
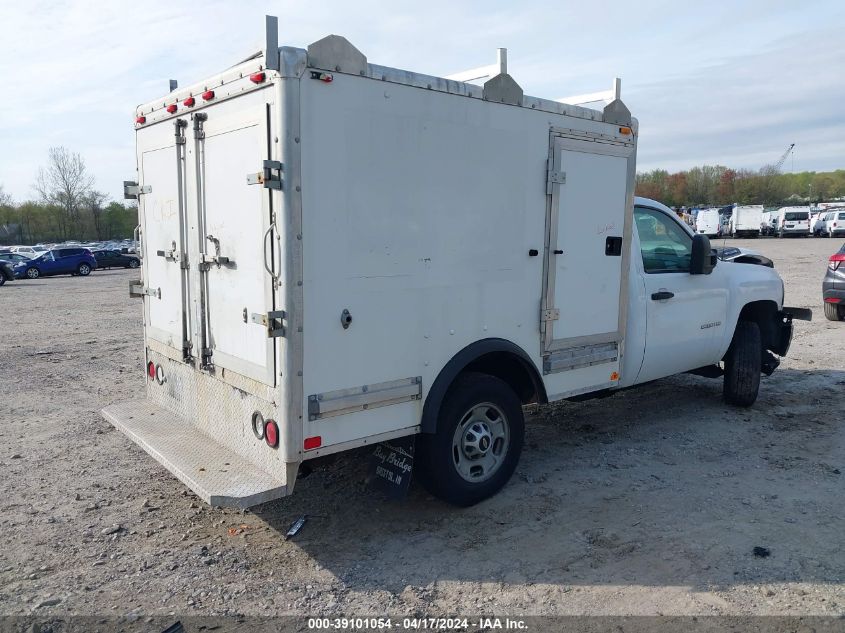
(66,207)
(717,185)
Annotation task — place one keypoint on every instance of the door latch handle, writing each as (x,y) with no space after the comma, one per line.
(662,295)
(558,251)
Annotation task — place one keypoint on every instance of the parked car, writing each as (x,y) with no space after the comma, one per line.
(32,251)
(831,224)
(115,259)
(14,258)
(7,272)
(833,287)
(59,261)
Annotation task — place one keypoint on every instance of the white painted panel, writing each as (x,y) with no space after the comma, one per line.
(419,211)
(591,207)
(160,210)
(238,214)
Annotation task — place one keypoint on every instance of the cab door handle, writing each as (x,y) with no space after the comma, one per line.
(662,295)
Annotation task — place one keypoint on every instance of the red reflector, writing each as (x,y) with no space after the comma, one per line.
(313,442)
(833,300)
(208,95)
(271,433)
(141,120)
(151,369)
(257,78)
(171,108)
(190,101)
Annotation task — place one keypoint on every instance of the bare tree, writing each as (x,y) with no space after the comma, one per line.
(95,202)
(66,184)
(5,198)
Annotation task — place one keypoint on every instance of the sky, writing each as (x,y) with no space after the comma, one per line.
(721,82)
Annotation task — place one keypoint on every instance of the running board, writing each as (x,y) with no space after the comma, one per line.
(217,475)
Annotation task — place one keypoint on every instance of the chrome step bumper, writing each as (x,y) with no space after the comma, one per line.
(219,476)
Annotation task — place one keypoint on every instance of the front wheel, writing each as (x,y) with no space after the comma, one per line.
(473,453)
(33,273)
(2,279)
(743,364)
(133,263)
(834,312)
(84,269)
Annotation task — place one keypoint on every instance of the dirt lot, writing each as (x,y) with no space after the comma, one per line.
(648,502)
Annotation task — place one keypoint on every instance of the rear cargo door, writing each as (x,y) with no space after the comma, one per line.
(235,284)
(162,209)
(590,184)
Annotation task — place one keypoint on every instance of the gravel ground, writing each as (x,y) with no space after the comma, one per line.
(651,501)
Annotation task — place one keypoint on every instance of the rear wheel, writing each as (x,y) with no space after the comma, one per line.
(743,364)
(833,311)
(84,269)
(476,447)
(133,263)
(33,273)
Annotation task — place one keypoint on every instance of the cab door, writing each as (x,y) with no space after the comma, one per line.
(685,314)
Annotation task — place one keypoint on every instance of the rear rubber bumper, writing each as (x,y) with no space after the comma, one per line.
(833,295)
(217,475)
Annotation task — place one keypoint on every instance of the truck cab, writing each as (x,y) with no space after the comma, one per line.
(684,319)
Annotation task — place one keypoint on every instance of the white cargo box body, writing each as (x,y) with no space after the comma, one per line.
(747,220)
(401,219)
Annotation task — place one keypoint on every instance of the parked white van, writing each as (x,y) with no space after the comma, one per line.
(708,222)
(793,221)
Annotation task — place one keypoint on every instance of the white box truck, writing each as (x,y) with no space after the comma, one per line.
(337,254)
(747,220)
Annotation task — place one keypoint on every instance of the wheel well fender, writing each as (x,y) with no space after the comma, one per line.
(497,357)
(765,315)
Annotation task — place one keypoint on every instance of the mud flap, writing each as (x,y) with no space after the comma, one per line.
(391,467)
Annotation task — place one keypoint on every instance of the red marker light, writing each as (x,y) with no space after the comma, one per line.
(208,95)
(312,442)
(172,108)
(151,370)
(271,433)
(190,101)
(141,120)
(257,78)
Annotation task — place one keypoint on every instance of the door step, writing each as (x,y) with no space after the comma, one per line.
(217,475)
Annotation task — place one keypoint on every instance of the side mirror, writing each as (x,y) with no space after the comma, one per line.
(703,259)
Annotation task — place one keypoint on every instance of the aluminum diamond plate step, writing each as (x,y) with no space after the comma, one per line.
(217,475)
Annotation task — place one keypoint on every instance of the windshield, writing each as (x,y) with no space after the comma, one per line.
(796,215)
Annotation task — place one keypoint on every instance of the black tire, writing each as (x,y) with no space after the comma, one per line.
(84,269)
(33,273)
(833,312)
(133,263)
(743,364)
(2,279)
(436,459)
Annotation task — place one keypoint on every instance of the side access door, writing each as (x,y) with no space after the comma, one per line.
(588,224)
(234,300)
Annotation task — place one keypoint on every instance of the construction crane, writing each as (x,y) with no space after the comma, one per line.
(783,158)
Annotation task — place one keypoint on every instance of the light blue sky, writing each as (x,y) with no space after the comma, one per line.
(711,82)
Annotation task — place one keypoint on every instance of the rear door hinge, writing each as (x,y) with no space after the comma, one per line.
(550,314)
(138,290)
(554,177)
(270,176)
(131,190)
(272,320)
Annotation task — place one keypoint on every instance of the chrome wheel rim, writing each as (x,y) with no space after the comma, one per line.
(480,442)
(84,269)
(32,273)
